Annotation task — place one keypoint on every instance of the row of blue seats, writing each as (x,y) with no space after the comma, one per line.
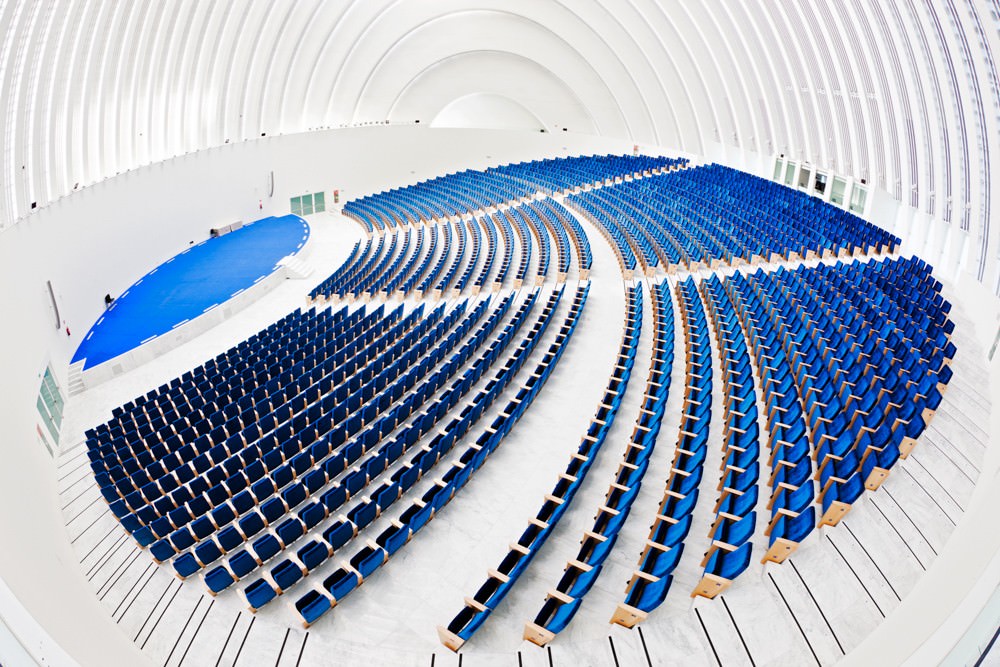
(532,228)
(685,218)
(729,551)
(281,450)
(469,191)
(404,440)
(653,576)
(791,466)
(136,464)
(580,573)
(558,175)
(198,387)
(351,574)
(500,581)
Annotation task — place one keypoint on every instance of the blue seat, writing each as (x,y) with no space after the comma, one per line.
(266,547)
(286,574)
(341,582)
(218,579)
(242,564)
(259,593)
(312,606)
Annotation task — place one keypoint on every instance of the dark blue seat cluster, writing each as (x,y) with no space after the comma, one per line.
(399,433)
(145,458)
(711,215)
(500,581)
(341,472)
(557,175)
(396,443)
(272,467)
(580,574)
(469,191)
(352,573)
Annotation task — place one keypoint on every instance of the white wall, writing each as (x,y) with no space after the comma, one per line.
(102,239)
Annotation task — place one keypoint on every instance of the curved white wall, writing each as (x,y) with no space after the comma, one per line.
(903,93)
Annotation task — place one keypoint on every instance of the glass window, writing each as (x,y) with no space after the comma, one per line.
(307,204)
(50,404)
(778,163)
(838,190)
(297,205)
(859,197)
(804,177)
(789,173)
(319,202)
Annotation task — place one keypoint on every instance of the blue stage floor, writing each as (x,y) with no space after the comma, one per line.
(188,284)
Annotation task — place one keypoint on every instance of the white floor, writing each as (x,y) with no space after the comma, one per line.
(812,609)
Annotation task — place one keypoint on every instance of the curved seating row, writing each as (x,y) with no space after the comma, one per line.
(714,215)
(404,440)
(651,580)
(580,573)
(469,191)
(352,573)
(729,551)
(500,581)
(340,468)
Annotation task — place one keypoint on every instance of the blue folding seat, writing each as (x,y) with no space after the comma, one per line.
(311,606)
(222,515)
(266,547)
(185,565)
(202,527)
(243,502)
(251,524)
(229,538)
(242,563)
(368,560)
(207,552)
(416,516)
(661,562)
(648,594)
(259,593)
(728,564)
(282,475)
(313,554)
(162,550)
(735,532)
(787,530)
(273,509)
(294,494)
(312,514)
(555,614)
(341,582)
(355,481)
(218,579)
(363,514)
(289,530)
(286,574)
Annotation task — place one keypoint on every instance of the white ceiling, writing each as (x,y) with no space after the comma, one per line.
(902,93)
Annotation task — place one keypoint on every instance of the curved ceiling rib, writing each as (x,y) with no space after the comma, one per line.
(894,92)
